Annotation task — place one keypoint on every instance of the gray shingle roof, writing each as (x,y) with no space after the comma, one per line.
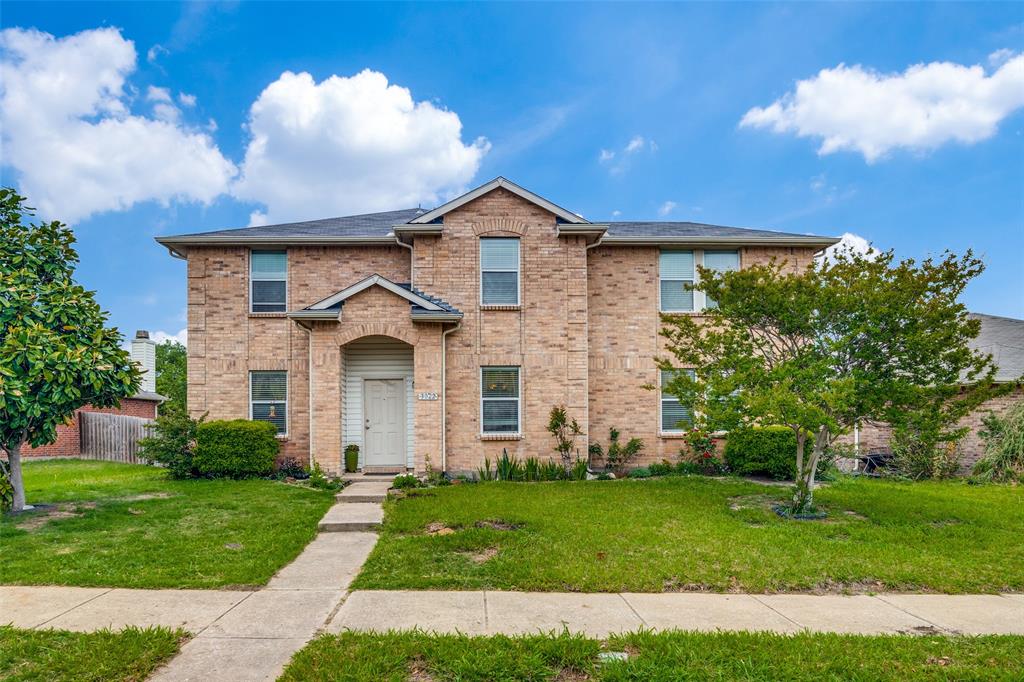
(1003,337)
(448,307)
(364,225)
(652,228)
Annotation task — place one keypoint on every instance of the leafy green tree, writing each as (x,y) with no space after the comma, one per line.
(849,339)
(171,376)
(56,354)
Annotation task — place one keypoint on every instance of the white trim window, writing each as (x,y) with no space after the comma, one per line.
(674,417)
(499,271)
(500,406)
(720,261)
(268,398)
(268,281)
(676,271)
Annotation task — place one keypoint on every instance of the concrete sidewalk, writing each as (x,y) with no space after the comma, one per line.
(597,615)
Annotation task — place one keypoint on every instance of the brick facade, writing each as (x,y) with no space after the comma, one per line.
(585,334)
(68,443)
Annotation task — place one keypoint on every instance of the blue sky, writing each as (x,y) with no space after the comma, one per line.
(139,119)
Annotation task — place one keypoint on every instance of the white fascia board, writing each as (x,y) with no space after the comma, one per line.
(314,314)
(436,317)
(378,281)
(469,196)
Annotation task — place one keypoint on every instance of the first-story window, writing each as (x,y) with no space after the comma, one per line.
(675,417)
(268,281)
(268,398)
(499,400)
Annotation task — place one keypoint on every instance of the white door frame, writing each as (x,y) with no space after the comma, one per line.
(401,462)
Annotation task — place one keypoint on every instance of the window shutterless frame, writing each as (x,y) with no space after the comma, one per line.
(676,268)
(669,406)
(283,428)
(494,399)
(496,263)
(273,306)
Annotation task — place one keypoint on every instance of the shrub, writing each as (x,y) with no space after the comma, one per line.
(762,451)
(551,471)
(319,480)
(531,469)
(923,448)
(605,476)
(686,467)
(485,473)
(235,449)
(434,477)
(509,468)
(662,468)
(405,482)
(640,472)
(579,471)
(1003,460)
(6,489)
(172,443)
(290,467)
(565,431)
(618,455)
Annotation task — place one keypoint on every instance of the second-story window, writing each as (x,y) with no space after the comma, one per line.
(268,281)
(720,261)
(676,272)
(499,271)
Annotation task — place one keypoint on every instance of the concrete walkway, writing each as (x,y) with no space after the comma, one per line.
(597,615)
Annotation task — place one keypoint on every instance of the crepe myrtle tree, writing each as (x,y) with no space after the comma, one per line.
(849,338)
(56,352)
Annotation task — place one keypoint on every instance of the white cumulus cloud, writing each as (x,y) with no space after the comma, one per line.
(851,108)
(667,208)
(851,244)
(350,145)
(161,336)
(70,136)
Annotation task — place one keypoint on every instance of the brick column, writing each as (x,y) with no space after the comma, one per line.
(427,379)
(326,403)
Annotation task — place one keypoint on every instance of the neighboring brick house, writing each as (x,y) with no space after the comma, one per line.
(449,334)
(143,404)
(1003,338)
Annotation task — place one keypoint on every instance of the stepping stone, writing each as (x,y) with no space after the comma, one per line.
(352,516)
(364,492)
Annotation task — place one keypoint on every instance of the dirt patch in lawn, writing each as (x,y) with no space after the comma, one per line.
(741,502)
(143,497)
(481,556)
(418,671)
(498,524)
(43,514)
(571,675)
(438,528)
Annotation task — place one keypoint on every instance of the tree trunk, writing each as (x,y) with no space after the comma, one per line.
(14,463)
(803,496)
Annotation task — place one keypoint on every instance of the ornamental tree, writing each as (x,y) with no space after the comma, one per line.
(56,354)
(846,339)
(171,376)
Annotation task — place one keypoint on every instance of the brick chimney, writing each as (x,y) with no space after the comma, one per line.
(144,354)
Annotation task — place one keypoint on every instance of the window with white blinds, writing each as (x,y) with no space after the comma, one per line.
(268,398)
(720,261)
(268,279)
(675,417)
(499,400)
(676,272)
(499,271)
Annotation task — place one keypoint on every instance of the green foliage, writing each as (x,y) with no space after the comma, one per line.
(434,477)
(172,443)
(922,448)
(237,448)
(640,472)
(509,468)
(172,376)
(531,469)
(816,349)
(762,451)
(565,431)
(319,480)
(618,456)
(351,457)
(290,467)
(6,488)
(551,471)
(405,482)
(662,468)
(485,473)
(578,471)
(1003,460)
(56,352)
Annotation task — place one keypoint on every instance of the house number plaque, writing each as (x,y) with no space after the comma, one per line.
(427,396)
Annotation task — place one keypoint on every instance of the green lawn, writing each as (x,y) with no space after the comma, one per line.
(123,525)
(666,656)
(694,533)
(57,656)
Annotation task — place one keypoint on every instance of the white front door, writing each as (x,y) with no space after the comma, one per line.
(384,407)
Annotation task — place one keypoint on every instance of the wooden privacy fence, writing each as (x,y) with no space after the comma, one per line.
(112,437)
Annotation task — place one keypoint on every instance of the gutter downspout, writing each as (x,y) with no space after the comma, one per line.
(412,252)
(444,394)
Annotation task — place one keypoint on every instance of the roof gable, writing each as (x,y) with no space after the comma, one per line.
(423,305)
(563,214)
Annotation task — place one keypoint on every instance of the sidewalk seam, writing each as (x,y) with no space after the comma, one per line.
(772,608)
(215,620)
(487,618)
(914,615)
(635,613)
(109,590)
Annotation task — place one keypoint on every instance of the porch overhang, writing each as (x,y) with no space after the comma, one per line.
(422,306)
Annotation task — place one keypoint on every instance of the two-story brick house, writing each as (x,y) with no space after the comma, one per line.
(449,334)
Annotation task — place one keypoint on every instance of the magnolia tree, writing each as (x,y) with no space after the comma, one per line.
(846,339)
(56,354)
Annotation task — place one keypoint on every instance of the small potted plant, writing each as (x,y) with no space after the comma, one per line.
(351,457)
